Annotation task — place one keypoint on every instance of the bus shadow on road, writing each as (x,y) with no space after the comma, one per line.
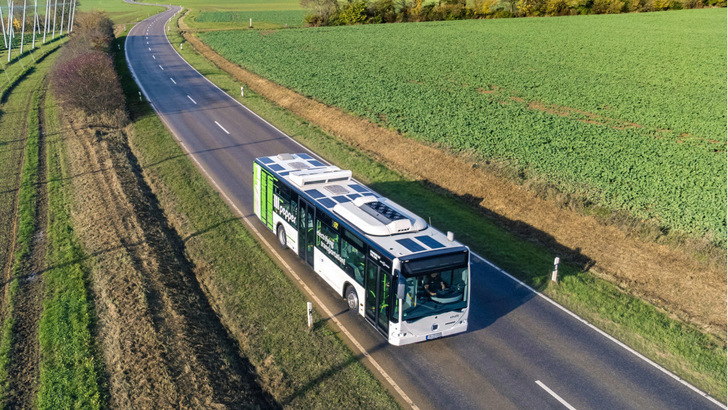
(522,250)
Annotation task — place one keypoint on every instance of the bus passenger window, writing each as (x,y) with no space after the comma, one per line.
(354,260)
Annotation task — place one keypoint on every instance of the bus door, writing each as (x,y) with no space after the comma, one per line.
(306,231)
(377,296)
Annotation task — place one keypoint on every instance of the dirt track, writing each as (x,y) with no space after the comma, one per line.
(669,277)
(24,370)
(164,346)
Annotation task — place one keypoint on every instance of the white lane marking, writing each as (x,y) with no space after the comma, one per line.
(172,80)
(404,396)
(160,67)
(195,102)
(154,57)
(150,49)
(147,43)
(603,333)
(556,396)
(222,128)
(308,290)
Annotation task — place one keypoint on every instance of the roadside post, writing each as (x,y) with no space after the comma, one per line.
(309,309)
(140,96)
(251,23)
(242,91)
(555,273)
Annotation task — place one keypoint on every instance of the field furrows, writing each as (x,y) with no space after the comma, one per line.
(164,346)
(21,249)
(682,283)
(24,370)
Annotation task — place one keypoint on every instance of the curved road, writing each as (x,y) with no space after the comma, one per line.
(521,350)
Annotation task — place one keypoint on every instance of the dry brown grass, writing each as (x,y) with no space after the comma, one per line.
(666,275)
(163,345)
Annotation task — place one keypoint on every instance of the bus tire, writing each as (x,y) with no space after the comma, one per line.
(352,299)
(282,240)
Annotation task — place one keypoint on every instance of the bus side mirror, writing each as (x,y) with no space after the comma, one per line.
(401,286)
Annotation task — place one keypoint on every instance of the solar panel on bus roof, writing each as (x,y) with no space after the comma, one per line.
(429,241)
(267,160)
(341,199)
(315,193)
(327,202)
(276,167)
(315,163)
(304,156)
(359,188)
(410,244)
(353,196)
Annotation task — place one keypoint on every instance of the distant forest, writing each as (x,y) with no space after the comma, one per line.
(335,13)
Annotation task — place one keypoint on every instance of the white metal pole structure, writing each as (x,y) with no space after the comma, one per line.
(10,28)
(63,12)
(70,13)
(46,19)
(35,21)
(55,13)
(22,31)
(2,23)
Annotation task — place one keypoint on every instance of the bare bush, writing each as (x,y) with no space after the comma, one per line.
(88,82)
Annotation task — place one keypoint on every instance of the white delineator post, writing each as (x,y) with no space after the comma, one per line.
(555,273)
(309,310)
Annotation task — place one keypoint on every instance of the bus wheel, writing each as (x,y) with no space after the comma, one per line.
(282,237)
(352,300)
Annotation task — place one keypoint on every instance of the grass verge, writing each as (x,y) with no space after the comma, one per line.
(696,356)
(254,298)
(71,367)
(24,121)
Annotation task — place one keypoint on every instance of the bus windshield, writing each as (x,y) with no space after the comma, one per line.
(434,291)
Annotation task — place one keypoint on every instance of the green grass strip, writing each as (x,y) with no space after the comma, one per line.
(694,355)
(27,222)
(255,298)
(70,368)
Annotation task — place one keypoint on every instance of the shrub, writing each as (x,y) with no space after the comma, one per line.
(88,82)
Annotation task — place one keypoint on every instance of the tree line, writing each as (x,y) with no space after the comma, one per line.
(336,13)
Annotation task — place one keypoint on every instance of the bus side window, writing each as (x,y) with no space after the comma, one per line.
(353,260)
(327,238)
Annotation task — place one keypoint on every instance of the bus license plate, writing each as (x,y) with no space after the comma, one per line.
(433,336)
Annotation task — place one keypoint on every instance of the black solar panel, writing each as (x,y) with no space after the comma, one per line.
(315,193)
(328,203)
(359,188)
(429,241)
(410,244)
(267,160)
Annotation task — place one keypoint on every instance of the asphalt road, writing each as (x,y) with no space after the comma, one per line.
(521,351)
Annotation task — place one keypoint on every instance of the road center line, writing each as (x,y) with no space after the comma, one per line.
(154,57)
(556,396)
(222,128)
(172,80)
(160,67)
(196,104)
(150,49)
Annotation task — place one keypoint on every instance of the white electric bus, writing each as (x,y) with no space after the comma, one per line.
(409,280)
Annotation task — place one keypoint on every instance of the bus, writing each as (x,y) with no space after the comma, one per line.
(406,278)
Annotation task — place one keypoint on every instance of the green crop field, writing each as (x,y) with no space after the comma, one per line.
(628,110)
(291,18)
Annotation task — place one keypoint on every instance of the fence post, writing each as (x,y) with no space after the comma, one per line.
(309,309)
(555,273)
